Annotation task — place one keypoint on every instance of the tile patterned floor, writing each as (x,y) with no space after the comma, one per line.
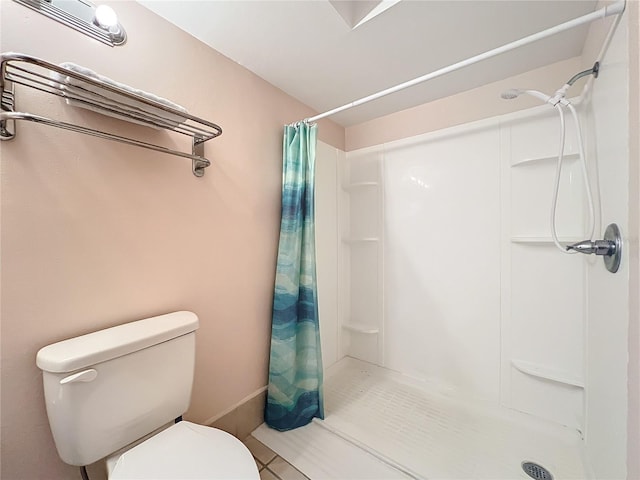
(270,465)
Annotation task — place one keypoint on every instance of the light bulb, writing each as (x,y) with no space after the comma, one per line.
(105,17)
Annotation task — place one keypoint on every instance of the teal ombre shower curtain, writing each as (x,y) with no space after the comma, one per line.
(294,395)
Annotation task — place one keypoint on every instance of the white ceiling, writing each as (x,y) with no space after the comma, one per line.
(307,49)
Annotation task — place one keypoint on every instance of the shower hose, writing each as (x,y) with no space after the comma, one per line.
(585,175)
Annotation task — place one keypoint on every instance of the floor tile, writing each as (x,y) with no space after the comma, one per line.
(261,452)
(284,470)
(265,474)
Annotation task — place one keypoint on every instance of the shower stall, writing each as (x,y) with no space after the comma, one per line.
(457,338)
(458,342)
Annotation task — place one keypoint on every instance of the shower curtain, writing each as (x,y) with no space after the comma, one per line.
(294,394)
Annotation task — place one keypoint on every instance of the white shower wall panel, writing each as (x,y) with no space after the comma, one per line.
(365,303)
(442,258)
(546,333)
(475,296)
(547,308)
(531,147)
(543,290)
(533,186)
(608,309)
(327,249)
(360,260)
(364,213)
(363,166)
(533,138)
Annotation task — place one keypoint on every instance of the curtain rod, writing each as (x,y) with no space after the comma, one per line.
(612,9)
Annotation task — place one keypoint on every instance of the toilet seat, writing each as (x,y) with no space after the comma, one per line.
(187,451)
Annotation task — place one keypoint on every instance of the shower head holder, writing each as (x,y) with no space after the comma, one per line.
(559,97)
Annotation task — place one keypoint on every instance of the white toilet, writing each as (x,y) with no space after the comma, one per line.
(109,393)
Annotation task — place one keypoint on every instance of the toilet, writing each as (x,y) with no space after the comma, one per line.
(111,394)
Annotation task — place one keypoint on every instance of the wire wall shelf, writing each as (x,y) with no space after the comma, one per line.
(99,96)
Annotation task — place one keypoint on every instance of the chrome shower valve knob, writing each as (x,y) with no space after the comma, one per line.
(599,247)
(610,247)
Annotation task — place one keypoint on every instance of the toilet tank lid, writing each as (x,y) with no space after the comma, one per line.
(92,348)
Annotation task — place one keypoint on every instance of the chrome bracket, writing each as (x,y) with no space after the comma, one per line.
(7,105)
(198,164)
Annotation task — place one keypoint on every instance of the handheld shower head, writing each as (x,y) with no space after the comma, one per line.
(510,94)
(516,92)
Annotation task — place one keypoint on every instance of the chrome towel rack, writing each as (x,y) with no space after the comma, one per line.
(35,73)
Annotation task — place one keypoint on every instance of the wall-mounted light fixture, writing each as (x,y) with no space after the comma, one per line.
(99,22)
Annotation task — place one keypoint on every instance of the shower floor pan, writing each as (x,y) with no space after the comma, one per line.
(382,419)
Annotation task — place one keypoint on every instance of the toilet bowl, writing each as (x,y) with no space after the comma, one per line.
(185,451)
(109,391)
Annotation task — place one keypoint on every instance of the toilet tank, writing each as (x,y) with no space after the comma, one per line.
(109,388)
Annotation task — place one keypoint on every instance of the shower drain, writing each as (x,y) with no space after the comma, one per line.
(536,471)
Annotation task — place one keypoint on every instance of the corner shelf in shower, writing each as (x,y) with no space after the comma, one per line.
(361,328)
(360,240)
(544,240)
(101,97)
(535,160)
(548,373)
(355,186)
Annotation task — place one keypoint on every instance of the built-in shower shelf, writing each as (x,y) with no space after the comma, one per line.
(534,160)
(544,240)
(360,328)
(360,239)
(355,186)
(548,373)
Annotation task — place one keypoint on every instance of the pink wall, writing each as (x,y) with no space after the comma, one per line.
(469,106)
(96,233)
